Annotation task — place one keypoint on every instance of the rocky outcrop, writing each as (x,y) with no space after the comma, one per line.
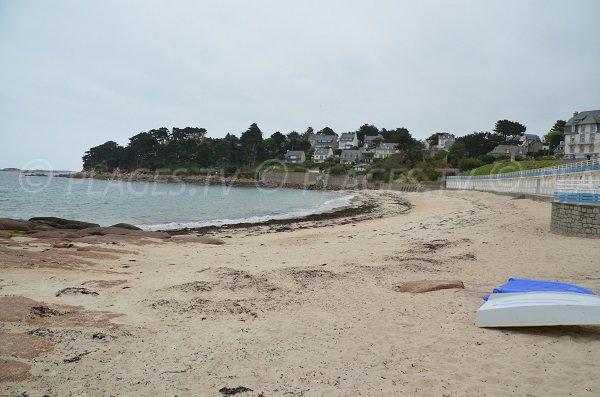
(126,226)
(61,229)
(15,224)
(59,223)
(421,286)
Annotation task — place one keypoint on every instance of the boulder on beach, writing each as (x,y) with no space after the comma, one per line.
(421,286)
(15,224)
(60,223)
(126,226)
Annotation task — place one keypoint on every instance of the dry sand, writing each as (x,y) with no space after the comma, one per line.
(302,311)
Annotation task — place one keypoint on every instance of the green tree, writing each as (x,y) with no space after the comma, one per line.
(510,130)
(366,130)
(144,149)
(105,157)
(556,134)
(559,126)
(478,143)
(308,133)
(553,138)
(251,141)
(280,141)
(188,133)
(295,141)
(326,131)
(457,151)
(433,139)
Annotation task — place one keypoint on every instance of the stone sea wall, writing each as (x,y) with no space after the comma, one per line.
(578,220)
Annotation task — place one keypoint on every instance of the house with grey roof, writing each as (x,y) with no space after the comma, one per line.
(581,133)
(371,141)
(348,140)
(360,167)
(294,157)
(323,141)
(531,142)
(321,155)
(560,148)
(350,156)
(508,150)
(385,150)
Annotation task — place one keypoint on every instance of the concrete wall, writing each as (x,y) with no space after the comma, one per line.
(537,185)
(578,220)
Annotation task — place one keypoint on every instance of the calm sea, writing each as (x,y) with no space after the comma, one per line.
(154,206)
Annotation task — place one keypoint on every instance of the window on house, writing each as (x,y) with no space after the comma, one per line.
(581,148)
(581,138)
(594,128)
(572,138)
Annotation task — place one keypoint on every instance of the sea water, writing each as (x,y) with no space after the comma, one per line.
(155,205)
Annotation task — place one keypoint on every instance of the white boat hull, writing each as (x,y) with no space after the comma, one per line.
(532,309)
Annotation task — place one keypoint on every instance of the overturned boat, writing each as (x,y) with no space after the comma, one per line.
(531,303)
(532,309)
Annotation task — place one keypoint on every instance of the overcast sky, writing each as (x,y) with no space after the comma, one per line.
(74,74)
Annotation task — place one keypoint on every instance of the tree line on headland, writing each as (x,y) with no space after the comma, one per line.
(192,150)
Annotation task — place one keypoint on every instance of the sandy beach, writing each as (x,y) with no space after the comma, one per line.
(298,309)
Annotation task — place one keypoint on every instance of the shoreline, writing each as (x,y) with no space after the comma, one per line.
(362,206)
(288,180)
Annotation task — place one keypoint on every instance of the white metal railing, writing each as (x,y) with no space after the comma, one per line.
(578,186)
(581,166)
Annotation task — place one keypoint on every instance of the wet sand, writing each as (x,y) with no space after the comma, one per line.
(302,308)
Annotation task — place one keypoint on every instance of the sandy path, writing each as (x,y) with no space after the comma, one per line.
(314,312)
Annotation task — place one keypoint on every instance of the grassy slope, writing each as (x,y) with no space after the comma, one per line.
(502,168)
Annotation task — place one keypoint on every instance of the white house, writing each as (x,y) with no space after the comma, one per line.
(445,141)
(321,155)
(580,135)
(385,150)
(360,167)
(348,140)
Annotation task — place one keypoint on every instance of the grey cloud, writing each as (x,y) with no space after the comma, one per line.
(76,74)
